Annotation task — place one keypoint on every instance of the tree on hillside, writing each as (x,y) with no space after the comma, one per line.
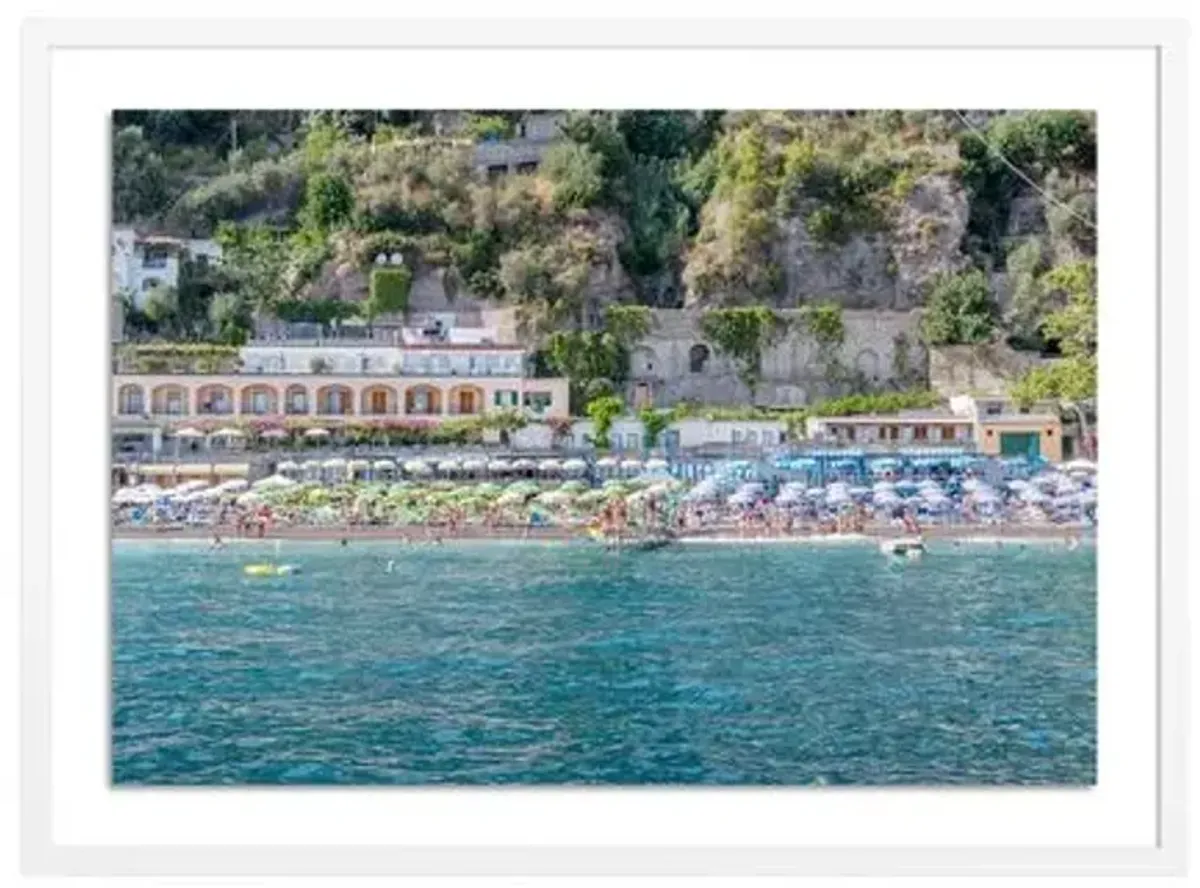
(959,310)
(603,411)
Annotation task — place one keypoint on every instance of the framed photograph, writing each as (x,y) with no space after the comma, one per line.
(528,448)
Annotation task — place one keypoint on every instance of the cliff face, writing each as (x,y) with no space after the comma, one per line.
(890,269)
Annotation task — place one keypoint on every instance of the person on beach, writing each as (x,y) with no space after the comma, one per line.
(217,542)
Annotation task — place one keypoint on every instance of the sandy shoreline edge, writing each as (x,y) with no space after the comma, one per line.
(965,534)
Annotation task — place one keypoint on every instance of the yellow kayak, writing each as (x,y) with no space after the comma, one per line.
(269,570)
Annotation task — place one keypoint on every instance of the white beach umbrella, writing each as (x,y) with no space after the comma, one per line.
(474,465)
(188,487)
(550,466)
(523,465)
(418,467)
(574,466)
(317,433)
(1080,466)
(287,466)
(607,462)
(229,432)
(274,433)
(334,463)
(273,482)
(499,466)
(449,466)
(384,465)
(631,464)
(657,465)
(189,432)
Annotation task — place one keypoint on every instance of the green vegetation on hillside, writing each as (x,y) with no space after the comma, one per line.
(325,216)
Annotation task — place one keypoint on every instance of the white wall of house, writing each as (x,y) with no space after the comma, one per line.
(138,272)
(628,433)
(383,359)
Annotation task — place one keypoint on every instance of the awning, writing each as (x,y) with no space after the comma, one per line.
(156,469)
(231,470)
(194,470)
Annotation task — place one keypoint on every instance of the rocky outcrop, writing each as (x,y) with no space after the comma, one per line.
(926,236)
(888,269)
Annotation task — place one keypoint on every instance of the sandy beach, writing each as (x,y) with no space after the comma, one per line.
(963,533)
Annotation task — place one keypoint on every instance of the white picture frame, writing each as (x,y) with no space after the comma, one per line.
(43,848)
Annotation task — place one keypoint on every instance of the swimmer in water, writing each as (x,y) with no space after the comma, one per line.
(391,565)
(345,541)
(217,542)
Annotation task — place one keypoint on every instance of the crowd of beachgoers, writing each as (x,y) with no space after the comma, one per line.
(646,505)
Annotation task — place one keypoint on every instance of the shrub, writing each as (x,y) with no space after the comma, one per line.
(390,287)
(329,201)
(959,310)
(575,171)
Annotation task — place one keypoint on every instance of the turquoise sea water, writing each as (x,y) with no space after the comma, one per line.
(532,663)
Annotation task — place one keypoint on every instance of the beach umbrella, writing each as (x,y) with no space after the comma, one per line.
(499,466)
(607,462)
(550,466)
(273,481)
(657,465)
(287,466)
(358,465)
(418,467)
(384,465)
(474,465)
(1080,466)
(229,433)
(574,467)
(317,433)
(523,465)
(189,432)
(275,433)
(449,466)
(631,465)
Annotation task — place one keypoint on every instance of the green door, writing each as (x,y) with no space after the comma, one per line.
(1020,444)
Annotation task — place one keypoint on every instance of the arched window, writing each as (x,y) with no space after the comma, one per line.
(697,357)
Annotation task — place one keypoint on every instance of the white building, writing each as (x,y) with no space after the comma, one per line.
(141,262)
(693,434)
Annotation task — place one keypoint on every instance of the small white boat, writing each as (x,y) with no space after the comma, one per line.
(911,548)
